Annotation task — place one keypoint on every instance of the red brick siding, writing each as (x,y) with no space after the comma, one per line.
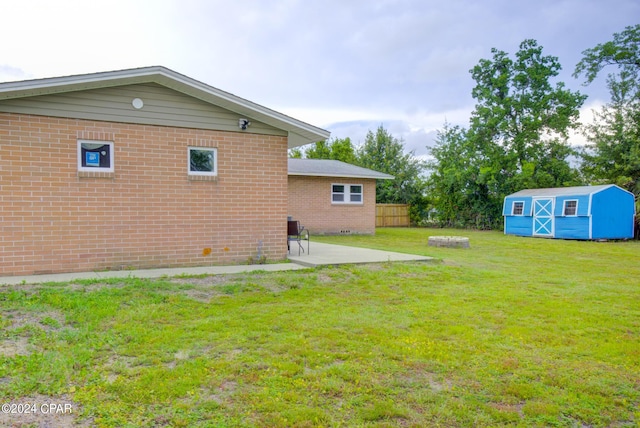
(148,213)
(310,202)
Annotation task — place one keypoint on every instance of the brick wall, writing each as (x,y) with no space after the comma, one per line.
(148,213)
(310,202)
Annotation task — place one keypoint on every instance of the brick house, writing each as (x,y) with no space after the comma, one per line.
(139,168)
(333,197)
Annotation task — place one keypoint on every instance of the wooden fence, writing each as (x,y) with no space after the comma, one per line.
(388,215)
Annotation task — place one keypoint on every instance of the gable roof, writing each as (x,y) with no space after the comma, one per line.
(300,133)
(563,191)
(332,168)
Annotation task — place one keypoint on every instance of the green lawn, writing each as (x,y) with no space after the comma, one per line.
(511,332)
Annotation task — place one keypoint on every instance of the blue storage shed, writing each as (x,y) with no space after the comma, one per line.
(585,212)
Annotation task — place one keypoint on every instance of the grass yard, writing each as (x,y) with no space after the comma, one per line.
(511,332)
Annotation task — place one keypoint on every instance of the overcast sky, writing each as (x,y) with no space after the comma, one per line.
(347,66)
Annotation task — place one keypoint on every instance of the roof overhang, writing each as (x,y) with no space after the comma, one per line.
(380,177)
(333,168)
(300,133)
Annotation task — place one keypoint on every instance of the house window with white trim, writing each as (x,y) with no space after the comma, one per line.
(570,208)
(203,161)
(95,156)
(346,194)
(517,208)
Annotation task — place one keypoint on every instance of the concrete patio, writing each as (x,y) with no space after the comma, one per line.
(320,254)
(330,254)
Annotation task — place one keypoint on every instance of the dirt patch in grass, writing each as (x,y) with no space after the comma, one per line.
(18,327)
(420,376)
(14,346)
(201,294)
(204,280)
(222,393)
(95,286)
(47,321)
(205,288)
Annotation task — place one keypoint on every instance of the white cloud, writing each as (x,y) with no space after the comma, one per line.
(9,73)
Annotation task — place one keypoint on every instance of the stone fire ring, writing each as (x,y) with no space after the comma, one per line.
(449,241)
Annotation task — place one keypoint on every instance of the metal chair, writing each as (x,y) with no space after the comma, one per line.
(297,233)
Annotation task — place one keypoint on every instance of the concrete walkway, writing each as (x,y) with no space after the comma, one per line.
(321,254)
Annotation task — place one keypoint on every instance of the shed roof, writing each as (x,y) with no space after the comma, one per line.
(300,133)
(332,168)
(563,191)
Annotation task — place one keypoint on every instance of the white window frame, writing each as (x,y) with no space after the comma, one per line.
(96,168)
(513,208)
(347,194)
(215,161)
(564,208)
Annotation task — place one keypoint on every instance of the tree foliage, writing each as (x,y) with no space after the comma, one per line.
(613,152)
(320,150)
(295,153)
(337,149)
(622,52)
(517,138)
(454,183)
(383,152)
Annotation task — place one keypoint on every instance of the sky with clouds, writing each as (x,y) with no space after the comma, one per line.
(347,66)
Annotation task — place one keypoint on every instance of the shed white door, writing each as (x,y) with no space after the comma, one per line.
(543,217)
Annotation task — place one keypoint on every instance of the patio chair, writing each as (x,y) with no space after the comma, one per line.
(297,233)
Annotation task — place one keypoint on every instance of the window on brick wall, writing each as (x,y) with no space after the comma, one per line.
(346,194)
(95,156)
(203,161)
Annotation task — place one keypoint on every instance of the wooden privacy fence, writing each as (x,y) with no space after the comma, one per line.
(388,215)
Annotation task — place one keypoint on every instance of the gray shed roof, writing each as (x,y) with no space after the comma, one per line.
(332,168)
(562,191)
(300,133)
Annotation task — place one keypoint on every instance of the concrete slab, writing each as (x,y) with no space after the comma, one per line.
(331,254)
(321,254)
(147,273)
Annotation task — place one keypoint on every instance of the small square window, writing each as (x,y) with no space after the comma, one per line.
(95,156)
(518,208)
(203,161)
(570,208)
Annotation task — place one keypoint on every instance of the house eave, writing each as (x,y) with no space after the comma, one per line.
(381,177)
(300,133)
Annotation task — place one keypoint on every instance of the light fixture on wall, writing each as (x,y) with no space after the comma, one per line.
(243,123)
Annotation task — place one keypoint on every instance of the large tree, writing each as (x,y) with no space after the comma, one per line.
(383,152)
(522,112)
(453,183)
(517,136)
(613,152)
